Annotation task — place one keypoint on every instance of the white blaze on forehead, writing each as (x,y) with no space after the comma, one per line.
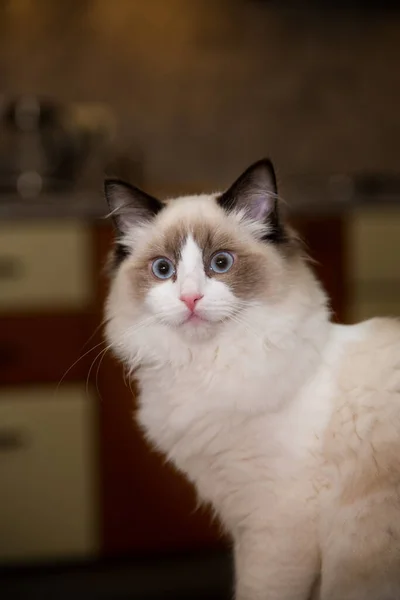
(191,277)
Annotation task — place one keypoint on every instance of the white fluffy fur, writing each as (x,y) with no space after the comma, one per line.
(289,425)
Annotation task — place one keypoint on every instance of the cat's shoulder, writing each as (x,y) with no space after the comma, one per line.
(380,333)
(370,355)
(377,332)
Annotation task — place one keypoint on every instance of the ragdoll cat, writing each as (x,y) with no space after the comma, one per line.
(288,424)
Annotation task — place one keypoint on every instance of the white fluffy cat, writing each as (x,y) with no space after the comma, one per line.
(288,424)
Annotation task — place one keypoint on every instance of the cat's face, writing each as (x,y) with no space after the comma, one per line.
(197,262)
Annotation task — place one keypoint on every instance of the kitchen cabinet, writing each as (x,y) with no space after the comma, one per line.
(45,266)
(44,347)
(47,473)
(49,499)
(373,242)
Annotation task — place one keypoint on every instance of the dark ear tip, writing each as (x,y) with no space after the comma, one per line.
(264,165)
(265,162)
(107,185)
(110,182)
(269,163)
(113,185)
(115,180)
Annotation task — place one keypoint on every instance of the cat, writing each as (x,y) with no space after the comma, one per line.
(288,424)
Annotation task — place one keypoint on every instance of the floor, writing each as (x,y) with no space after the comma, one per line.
(207,577)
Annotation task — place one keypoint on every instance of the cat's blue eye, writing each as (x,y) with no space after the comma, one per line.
(221,262)
(163,268)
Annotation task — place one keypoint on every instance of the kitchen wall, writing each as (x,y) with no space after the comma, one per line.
(203,87)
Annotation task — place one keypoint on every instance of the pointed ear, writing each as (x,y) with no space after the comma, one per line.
(129,206)
(255,192)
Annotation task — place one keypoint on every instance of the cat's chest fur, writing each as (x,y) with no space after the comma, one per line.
(233,419)
(240,378)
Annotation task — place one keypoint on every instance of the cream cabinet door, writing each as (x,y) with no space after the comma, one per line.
(374,263)
(48,497)
(45,265)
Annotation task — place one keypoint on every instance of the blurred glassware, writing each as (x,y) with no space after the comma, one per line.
(46,146)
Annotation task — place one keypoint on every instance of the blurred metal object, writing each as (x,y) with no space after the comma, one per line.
(365,188)
(45,146)
(338,193)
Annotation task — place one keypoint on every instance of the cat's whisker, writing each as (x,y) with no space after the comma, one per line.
(124,376)
(135,328)
(101,353)
(264,341)
(82,356)
(130,385)
(104,351)
(129,331)
(101,324)
(76,362)
(98,369)
(247,327)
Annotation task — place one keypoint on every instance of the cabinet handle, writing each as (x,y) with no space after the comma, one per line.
(11,440)
(10,267)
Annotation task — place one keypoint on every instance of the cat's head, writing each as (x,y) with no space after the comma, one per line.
(195,263)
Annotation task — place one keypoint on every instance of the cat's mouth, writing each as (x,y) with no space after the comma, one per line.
(194,318)
(198,320)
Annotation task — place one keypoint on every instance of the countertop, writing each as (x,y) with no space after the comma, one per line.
(75,205)
(298,201)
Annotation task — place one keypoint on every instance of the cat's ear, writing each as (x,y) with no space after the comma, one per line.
(255,193)
(129,206)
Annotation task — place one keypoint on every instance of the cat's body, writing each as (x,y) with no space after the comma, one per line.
(288,424)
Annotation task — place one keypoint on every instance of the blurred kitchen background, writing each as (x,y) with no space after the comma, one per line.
(176,96)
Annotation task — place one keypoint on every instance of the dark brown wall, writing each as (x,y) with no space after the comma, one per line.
(206,86)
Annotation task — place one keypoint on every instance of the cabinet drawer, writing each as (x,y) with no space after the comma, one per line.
(370,299)
(47,473)
(44,265)
(366,309)
(42,348)
(374,245)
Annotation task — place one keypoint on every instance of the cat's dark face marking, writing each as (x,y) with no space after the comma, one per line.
(254,194)
(249,278)
(172,272)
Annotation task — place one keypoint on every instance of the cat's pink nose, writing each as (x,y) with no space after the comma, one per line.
(190,300)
